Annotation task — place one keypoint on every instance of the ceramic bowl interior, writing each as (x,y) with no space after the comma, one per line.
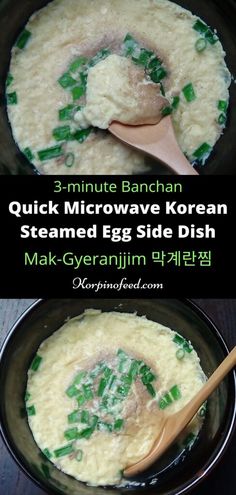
(175,473)
(220,15)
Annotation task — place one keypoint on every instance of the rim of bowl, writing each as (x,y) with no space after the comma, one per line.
(186,487)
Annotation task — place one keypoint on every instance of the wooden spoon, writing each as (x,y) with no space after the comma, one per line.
(173,425)
(157,140)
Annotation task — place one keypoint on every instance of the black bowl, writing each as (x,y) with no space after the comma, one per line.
(14,14)
(175,474)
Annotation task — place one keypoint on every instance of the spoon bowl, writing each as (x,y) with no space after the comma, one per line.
(157,140)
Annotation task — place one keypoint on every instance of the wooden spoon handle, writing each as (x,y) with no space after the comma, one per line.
(187,413)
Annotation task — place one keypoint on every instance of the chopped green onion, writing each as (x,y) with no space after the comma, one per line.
(93,421)
(166,111)
(183,343)
(180,353)
(77,63)
(69,160)
(31,411)
(36,363)
(71,434)
(85,417)
(162,89)
(9,80)
(144,369)
(211,37)
(74,417)
(85,433)
(175,392)
(118,424)
(29,154)
(148,378)
(23,39)
(101,387)
(62,133)
(50,153)
(78,379)
(189,93)
(222,105)
(67,112)
(80,399)
(154,63)
(178,339)
(82,134)
(12,98)
(158,74)
(66,81)
(77,92)
(72,391)
(123,390)
(63,451)
(130,44)
(126,379)
(165,401)
(87,392)
(200,26)
(201,45)
(222,119)
(175,102)
(143,57)
(202,151)
(134,369)
(79,455)
(151,389)
(47,453)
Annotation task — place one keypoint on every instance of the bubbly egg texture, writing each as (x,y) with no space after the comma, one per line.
(56,56)
(98,389)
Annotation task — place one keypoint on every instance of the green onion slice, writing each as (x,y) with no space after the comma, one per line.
(9,80)
(81,399)
(50,153)
(36,363)
(12,98)
(85,433)
(74,417)
(77,92)
(211,37)
(222,119)
(69,160)
(189,93)
(71,434)
(78,379)
(158,74)
(118,424)
(180,353)
(27,396)
(130,44)
(63,451)
(82,134)
(23,39)
(151,389)
(101,387)
(67,81)
(29,154)
(175,392)
(222,105)
(62,133)
(166,111)
(68,112)
(175,102)
(72,391)
(85,417)
(201,45)
(200,27)
(79,455)
(31,411)
(202,151)
(76,64)
(87,392)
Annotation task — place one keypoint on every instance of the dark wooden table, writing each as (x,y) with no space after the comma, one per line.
(221,482)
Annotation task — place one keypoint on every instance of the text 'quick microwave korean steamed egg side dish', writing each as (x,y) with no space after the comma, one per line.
(79,64)
(98,389)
